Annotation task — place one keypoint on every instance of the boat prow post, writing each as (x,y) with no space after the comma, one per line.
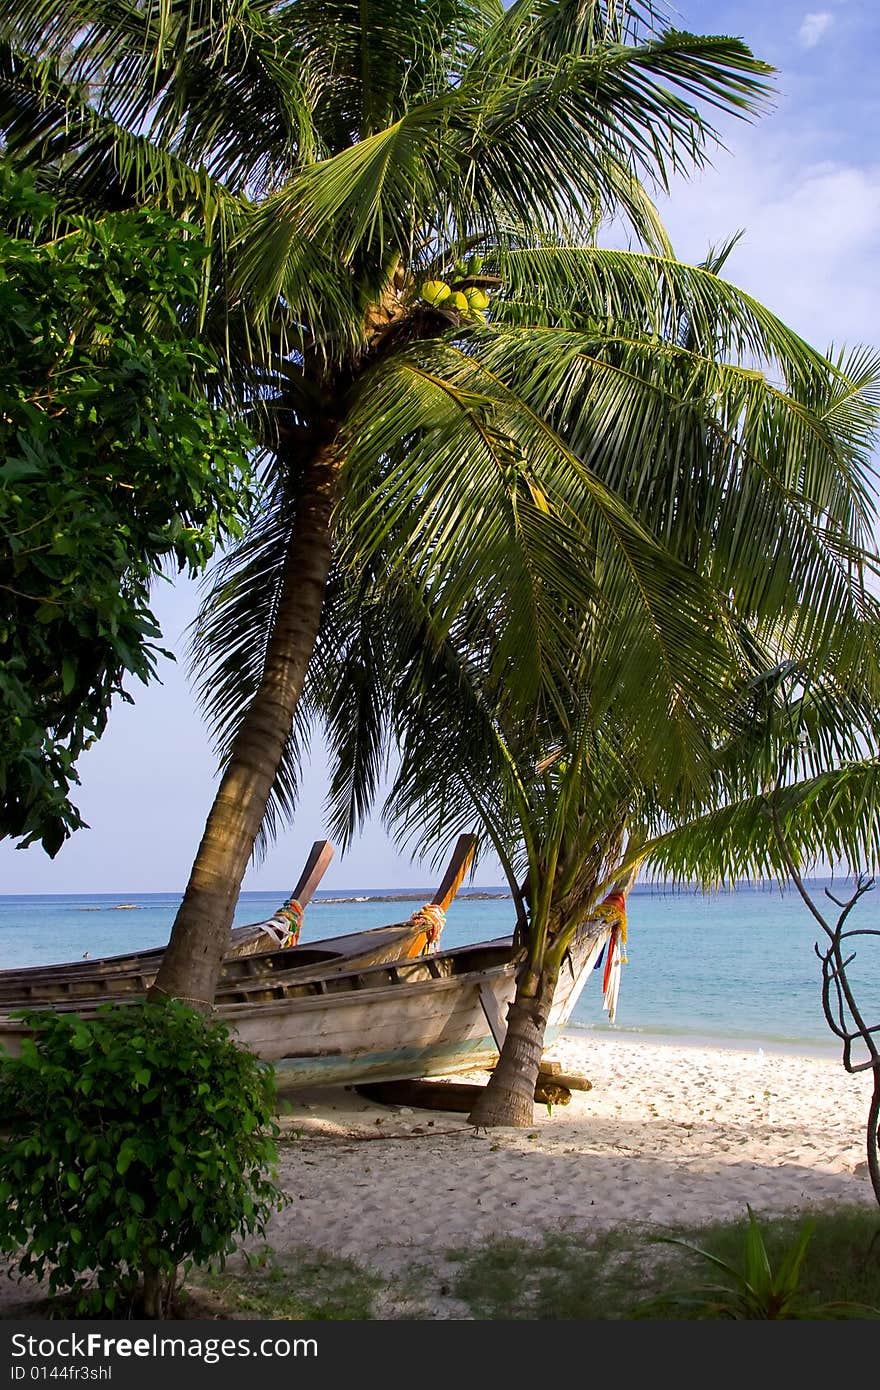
(433,914)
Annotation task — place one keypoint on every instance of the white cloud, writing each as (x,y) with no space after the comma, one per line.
(811,250)
(813,28)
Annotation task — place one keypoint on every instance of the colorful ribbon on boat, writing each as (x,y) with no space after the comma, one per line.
(431,919)
(613,908)
(289,920)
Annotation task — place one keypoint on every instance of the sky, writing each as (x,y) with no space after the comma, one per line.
(804,184)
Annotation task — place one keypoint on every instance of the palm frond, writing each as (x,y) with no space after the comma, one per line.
(545,540)
(545,120)
(365,199)
(737,476)
(350,692)
(835,816)
(88,158)
(589,286)
(216,85)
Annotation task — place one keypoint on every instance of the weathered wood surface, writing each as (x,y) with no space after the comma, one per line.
(254,978)
(552,1071)
(252,961)
(242,975)
(412,1018)
(259,942)
(315,868)
(462,858)
(495,1017)
(386,1021)
(450,1095)
(570,1081)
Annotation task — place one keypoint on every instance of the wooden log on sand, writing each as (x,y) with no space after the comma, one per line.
(552,1071)
(570,1081)
(454,1095)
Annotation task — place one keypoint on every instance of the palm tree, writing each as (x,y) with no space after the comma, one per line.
(576,806)
(624,769)
(372,189)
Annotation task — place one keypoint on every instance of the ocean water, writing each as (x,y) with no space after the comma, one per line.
(736,967)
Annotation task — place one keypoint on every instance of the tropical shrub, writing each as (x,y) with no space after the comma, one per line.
(140,1142)
(753,1289)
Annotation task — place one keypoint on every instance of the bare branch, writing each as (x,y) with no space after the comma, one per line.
(843,1015)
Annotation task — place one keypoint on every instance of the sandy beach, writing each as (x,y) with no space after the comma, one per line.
(668,1135)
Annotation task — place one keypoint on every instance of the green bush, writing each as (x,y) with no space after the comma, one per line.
(116,462)
(140,1142)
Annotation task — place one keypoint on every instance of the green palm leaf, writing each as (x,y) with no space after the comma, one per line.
(835,814)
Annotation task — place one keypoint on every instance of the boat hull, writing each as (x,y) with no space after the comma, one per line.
(427,1027)
(243,942)
(240,976)
(424,1017)
(254,955)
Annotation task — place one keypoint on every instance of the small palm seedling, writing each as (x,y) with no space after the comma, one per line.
(753,1290)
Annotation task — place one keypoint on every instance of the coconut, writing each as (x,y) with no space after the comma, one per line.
(475,265)
(477,299)
(435,292)
(458,301)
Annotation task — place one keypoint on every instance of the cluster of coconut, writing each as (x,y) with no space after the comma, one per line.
(470,301)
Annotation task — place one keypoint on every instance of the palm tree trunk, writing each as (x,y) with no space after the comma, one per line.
(191,964)
(509,1097)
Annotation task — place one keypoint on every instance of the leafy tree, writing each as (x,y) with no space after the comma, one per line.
(574,809)
(113,462)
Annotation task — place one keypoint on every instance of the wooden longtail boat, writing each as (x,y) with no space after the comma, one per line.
(442,1013)
(252,939)
(411,1018)
(114,976)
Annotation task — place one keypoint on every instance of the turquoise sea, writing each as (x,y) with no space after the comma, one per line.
(736,967)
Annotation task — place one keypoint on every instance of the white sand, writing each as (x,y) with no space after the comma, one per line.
(668,1135)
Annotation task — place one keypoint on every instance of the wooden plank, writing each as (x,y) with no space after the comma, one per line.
(423,1095)
(550,1091)
(489,1004)
(459,864)
(459,1096)
(315,867)
(570,1081)
(357,1027)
